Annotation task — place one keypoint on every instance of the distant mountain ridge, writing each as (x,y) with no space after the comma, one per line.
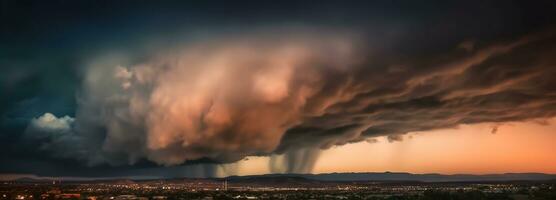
(403,176)
(339,177)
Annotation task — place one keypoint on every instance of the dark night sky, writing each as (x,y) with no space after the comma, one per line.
(47,47)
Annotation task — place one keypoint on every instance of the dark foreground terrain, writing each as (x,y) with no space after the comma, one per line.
(291,186)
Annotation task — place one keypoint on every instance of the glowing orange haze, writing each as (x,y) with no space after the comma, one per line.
(515,147)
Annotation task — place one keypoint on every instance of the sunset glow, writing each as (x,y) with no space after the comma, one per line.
(199,89)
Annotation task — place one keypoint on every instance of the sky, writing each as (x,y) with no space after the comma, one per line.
(477,149)
(98,89)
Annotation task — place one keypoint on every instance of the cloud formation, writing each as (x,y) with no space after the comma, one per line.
(220,100)
(229,97)
(50,123)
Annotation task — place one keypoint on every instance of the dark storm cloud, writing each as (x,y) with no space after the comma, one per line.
(411,66)
(503,85)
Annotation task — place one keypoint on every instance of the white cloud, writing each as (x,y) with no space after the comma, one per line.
(49,122)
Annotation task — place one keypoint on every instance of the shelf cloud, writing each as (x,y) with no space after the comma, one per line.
(262,94)
(116,90)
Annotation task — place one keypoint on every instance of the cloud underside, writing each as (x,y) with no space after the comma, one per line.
(230,97)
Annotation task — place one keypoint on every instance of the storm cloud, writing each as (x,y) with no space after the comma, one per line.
(225,88)
(261,94)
